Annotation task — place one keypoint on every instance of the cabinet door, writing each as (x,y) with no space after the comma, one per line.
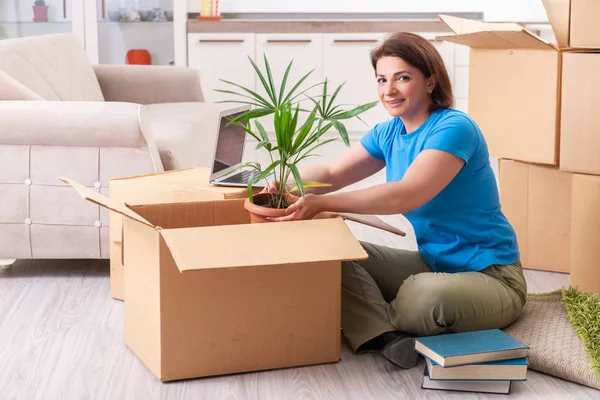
(222,56)
(461,76)
(280,49)
(346,58)
(446,50)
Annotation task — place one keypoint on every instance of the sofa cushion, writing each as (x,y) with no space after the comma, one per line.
(10,89)
(54,66)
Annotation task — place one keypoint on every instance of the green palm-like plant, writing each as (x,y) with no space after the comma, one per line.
(294,141)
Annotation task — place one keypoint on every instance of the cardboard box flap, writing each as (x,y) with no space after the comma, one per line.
(262,244)
(558,12)
(492,35)
(95,197)
(369,220)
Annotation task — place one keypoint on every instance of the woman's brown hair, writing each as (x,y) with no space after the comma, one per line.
(421,54)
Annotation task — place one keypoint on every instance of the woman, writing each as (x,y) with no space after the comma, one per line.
(466,274)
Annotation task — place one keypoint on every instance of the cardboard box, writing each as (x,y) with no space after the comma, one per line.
(580,131)
(575,22)
(536,199)
(557,219)
(585,222)
(533,100)
(164,187)
(209,294)
(514,86)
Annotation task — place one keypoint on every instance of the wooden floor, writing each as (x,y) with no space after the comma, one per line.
(61,337)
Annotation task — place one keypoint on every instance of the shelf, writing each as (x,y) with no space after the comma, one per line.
(34,23)
(134,22)
(68,22)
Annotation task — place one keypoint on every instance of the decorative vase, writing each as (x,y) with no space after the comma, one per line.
(40,13)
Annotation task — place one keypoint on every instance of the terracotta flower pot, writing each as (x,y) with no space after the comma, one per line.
(259,213)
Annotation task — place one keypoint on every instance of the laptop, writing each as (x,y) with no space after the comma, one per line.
(227,167)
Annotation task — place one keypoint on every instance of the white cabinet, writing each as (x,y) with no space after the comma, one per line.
(303,49)
(461,77)
(339,57)
(446,50)
(222,56)
(346,58)
(280,49)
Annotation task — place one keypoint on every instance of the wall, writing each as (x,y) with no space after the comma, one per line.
(494,10)
(117,38)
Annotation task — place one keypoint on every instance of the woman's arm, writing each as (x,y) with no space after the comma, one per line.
(428,175)
(353,165)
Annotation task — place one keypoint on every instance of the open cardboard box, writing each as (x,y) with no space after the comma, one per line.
(178,186)
(207,293)
(186,185)
(575,22)
(529,105)
(514,87)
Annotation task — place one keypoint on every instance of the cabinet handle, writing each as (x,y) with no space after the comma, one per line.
(354,40)
(221,40)
(289,40)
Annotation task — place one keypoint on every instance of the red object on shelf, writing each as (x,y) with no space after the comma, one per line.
(138,56)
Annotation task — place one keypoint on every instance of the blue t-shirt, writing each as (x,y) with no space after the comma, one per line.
(462,228)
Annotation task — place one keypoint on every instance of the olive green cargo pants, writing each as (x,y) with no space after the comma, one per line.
(395,290)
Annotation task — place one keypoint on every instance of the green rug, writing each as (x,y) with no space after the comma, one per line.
(563,330)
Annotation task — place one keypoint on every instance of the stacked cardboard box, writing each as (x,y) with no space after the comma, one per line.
(536,103)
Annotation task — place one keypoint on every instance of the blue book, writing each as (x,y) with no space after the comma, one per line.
(470,347)
(512,370)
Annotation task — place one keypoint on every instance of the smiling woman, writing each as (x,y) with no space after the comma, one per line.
(410,72)
(466,274)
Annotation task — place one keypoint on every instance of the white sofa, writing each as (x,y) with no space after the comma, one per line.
(62,116)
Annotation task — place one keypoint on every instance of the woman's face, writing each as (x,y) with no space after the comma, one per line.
(403,89)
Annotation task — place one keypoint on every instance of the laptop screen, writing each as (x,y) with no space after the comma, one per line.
(230,144)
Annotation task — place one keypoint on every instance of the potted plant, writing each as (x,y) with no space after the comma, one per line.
(294,141)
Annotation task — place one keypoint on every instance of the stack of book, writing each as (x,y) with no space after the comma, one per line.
(486,361)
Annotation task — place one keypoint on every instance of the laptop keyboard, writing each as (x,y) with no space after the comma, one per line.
(240,177)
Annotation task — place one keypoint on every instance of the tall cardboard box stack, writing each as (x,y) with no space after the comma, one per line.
(537,105)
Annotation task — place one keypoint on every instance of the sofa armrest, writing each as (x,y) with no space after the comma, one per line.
(71,123)
(149,84)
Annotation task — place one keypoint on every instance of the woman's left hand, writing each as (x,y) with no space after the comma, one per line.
(304,208)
